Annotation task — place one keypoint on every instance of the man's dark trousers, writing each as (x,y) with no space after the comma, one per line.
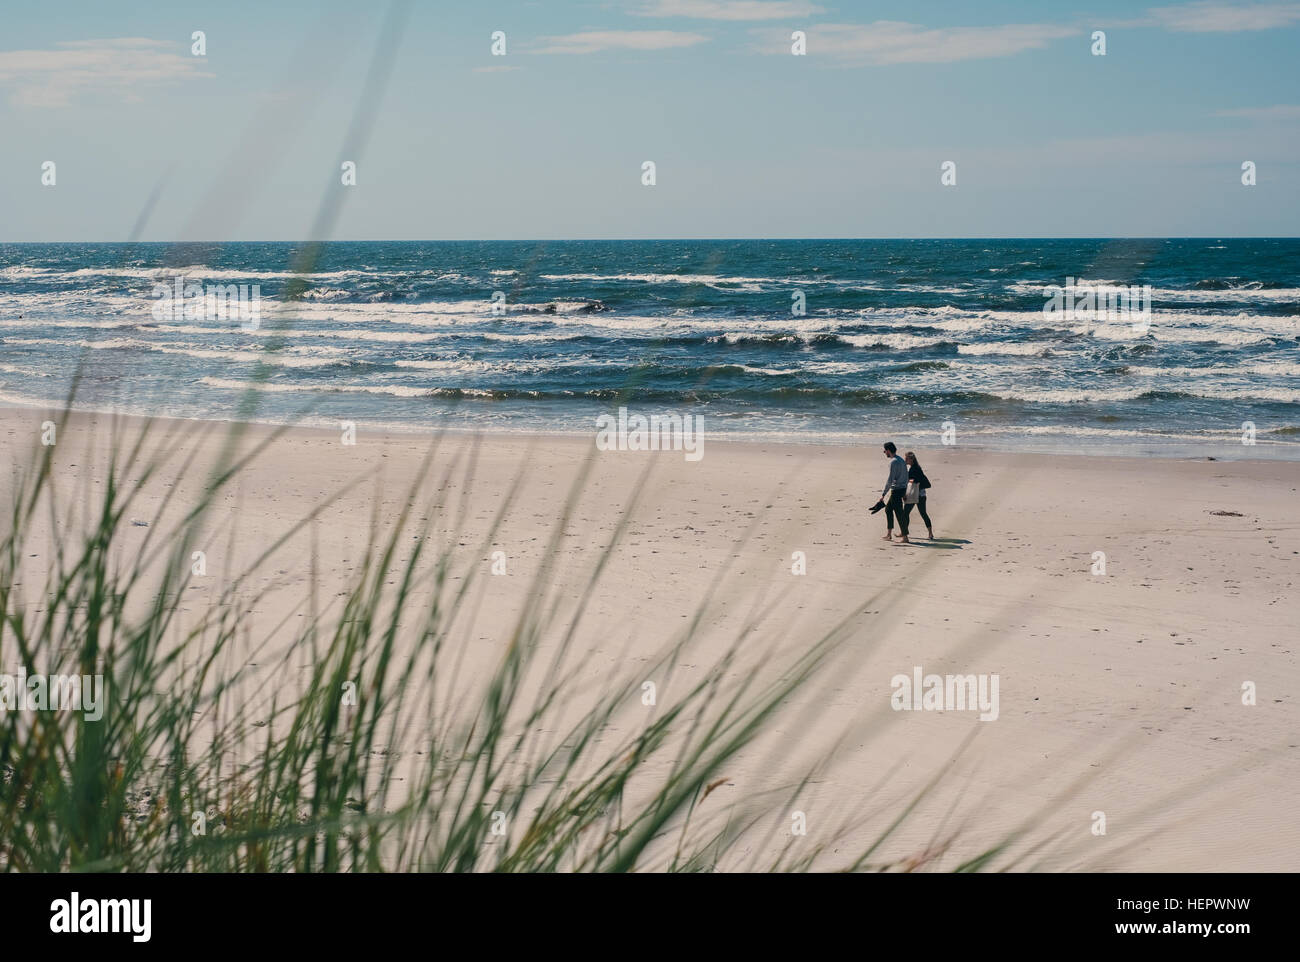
(894,509)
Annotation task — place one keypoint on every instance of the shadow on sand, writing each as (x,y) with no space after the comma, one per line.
(952,544)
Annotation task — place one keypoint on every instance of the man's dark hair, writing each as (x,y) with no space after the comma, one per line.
(889,446)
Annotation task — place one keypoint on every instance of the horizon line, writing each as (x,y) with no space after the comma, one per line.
(633,240)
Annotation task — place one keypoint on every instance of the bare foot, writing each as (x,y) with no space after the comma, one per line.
(903,540)
(888,537)
(930,534)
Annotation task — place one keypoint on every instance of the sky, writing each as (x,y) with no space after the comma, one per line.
(1048,139)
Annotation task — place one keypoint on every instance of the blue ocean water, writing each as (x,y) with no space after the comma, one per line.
(896,338)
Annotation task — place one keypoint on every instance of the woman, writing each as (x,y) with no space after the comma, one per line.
(917,485)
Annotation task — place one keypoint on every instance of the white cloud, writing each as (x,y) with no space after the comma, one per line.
(889,41)
(119,66)
(1208,16)
(1277,112)
(729,9)
(594,41)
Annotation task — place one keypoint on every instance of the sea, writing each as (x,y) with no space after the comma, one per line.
(925,342)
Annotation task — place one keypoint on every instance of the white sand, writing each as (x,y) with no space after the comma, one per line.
(1120,693)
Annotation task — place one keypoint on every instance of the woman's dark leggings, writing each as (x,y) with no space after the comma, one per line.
(920,506)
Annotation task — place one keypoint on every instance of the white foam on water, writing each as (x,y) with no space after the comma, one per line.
(1184,295)
(1007,348)
(710,279)
(505,366)
(396,390)
(896,341)
(312,351)
(1173,335)
(274,358)
(493,336)
(195,272)
(1247,369)
(400,337)
(97,325)
(22,371)
(1094,395)
(1073,430)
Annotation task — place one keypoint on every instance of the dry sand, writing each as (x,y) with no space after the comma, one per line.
(1119,693)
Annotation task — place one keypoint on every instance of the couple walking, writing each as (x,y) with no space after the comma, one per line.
(905,488)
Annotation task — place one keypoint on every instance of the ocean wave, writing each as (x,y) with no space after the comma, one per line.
(406,391)
(1248,291)
(879,342)
(707,279)
(271,387)
(96,325)
(1094,395)
(327,294)
(1238,283)
(201,273)
(503,366)
(197,272)
(1018,349)
(586,305)
(894,341)
(367,310)
(526,338)
(274,358)
(391,337)
(429,313)
(1175,335)
(1253,368)
(1082,431)
(22,371)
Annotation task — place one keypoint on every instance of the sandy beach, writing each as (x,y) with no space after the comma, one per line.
(1119,693)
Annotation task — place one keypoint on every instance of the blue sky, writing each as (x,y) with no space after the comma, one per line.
(748,140)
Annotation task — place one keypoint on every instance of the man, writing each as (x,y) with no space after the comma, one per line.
(895,494)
